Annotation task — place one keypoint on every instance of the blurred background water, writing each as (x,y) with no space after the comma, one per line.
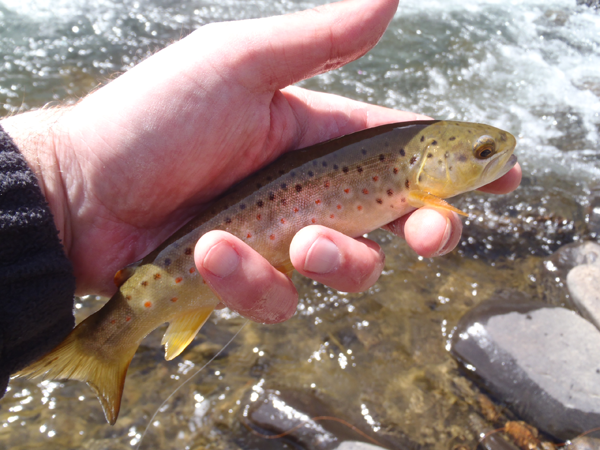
(377,360)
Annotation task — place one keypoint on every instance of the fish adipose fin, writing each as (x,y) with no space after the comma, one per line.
(71,360)
(183,329)
(419,199)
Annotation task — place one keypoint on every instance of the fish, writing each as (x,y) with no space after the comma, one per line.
(353,184)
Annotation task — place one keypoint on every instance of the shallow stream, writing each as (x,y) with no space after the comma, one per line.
(378,360)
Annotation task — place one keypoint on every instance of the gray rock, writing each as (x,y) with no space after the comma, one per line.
(543,362)
(584,285)
(583,443)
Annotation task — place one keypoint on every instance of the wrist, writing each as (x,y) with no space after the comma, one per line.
(37,134)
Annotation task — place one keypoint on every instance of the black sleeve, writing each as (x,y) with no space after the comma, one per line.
(36,278)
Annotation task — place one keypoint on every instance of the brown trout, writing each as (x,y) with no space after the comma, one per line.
(353,184)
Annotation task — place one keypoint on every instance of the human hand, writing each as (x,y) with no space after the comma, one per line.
(132,162)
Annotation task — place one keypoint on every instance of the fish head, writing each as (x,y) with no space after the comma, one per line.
(457,157)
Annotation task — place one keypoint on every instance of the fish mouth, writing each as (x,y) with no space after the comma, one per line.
(490,172)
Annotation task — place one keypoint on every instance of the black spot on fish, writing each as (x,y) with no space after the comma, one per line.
(283,186)
(243,206)
(345,169)
(271,196)
(402,152)
(324,163)
(413,159)
(188,251)
(422,138)
(228,220)
(363,151)
(429,155)
(359,169)
(390,192)
(462,158)
(378,200)
(440,162)
(260,203)
(450,168)
(502,137)
(310,173)
(382,157)
(452,138)
(335,167)
(168,262)
(407,183)
(298,187)
(434,142)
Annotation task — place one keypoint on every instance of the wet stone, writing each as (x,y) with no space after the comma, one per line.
(583,282)
(583,443)
(543,362)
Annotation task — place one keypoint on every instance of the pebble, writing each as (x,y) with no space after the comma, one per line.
(542,362)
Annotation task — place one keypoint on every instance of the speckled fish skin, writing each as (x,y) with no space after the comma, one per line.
(353,184)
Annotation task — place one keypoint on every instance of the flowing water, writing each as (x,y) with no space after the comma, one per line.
(378,359)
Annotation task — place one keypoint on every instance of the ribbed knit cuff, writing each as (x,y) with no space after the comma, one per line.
(36,278)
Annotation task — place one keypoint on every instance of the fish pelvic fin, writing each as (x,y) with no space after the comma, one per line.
(183,329)
(71,360)
(419,199)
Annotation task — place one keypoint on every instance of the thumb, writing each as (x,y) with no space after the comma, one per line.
(275,52)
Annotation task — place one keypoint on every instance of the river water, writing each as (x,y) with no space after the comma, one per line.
(377,360)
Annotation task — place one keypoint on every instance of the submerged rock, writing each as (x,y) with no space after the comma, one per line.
(584,285)
(543,362)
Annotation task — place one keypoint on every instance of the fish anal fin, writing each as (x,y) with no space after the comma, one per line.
(419,199)
(286,268)
(71,360)
(183,329)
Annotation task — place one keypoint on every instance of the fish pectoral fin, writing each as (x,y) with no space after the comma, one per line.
(72,360)
(183,329)
(286,268)
(419,199)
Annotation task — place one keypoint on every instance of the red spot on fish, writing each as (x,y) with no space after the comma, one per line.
(359,208)
(144,283)
(379,201)
(295,209)
(346,191)
(390,192)
(258,217)
(313,220)
(272,237)
(331,216)
(327,184)
(282,220)
(395,170)
(339,206)
(375,178)
(203,281)
(156,276)
(248,236)
(128,297)
(318,202)
(192,269)
(148,304)
(113,321)
(188,251)
(365,191)
(174,299)
(127,319)
(178,280)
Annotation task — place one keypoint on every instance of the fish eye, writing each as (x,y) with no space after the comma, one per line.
(485,147)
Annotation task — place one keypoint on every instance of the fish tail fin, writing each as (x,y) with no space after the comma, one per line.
(73,360)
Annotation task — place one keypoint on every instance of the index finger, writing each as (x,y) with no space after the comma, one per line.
(505,184)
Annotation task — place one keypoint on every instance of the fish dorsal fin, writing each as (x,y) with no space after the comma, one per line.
(125,273)
(419,199)
(183,329)
(286,268)
(71,360)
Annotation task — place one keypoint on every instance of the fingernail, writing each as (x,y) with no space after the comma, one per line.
(447,233)
(322,257)
(221,260)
